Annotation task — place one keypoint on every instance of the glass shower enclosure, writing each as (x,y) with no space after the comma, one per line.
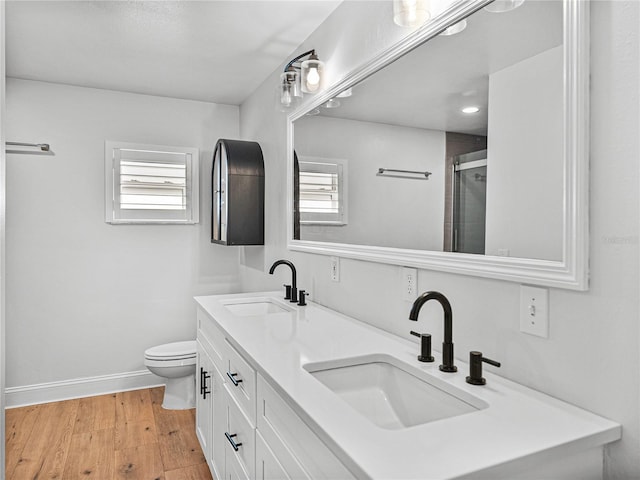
(469,202)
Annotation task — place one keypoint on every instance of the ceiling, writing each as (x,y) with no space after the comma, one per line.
(217,50)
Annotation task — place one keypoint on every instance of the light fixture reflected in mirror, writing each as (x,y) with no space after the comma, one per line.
(309,79)
(345,93)
(410,13)
(332,103)
(455,28)
(469,110)
(500,6)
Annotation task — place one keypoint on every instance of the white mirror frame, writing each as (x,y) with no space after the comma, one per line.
(572,271)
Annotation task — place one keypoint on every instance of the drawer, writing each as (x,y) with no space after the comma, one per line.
(241,381)
(209,331)
(289,437)
(240,438)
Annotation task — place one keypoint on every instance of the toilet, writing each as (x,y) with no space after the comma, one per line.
(176,363)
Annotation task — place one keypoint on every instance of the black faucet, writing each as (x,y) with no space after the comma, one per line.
(447,345)
(291,292)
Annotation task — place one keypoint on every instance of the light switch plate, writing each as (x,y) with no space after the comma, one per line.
(534,311)
(335,269)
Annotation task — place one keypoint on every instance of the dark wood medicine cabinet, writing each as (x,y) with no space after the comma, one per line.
(237,182)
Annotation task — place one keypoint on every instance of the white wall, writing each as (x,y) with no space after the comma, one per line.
(2,236)
(592,357)
(525,105)
(379,207)
(84,298)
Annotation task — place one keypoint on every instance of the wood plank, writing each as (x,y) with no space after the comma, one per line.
(64,440)
(134,406)
(139,463)
(194,472)
(45,452)
(96,413)
(19,423)
(91,456)
(177,439)
(135,434)
(157,395)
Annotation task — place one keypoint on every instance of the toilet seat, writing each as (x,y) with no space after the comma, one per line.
(169,352)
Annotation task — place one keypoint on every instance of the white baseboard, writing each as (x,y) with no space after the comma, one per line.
(79,387)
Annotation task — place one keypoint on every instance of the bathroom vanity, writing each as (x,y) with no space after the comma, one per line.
(305,392)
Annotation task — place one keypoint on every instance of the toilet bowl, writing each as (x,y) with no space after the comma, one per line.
(176,363)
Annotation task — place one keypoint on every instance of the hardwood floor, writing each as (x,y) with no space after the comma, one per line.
(125,435)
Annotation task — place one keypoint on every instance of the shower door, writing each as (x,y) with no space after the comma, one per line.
(469,202)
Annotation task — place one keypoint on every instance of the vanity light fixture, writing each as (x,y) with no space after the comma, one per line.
(501,6)
(470,110)
(308,77)
(289,93)
(410,13)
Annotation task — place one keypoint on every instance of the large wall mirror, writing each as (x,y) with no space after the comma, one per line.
(463,152)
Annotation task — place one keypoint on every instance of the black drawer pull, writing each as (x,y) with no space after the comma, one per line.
(234,380)
(233,444)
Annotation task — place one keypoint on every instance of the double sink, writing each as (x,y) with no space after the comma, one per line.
(386,391)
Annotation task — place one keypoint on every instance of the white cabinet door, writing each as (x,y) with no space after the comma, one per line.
(297,448)
(204,399)
(220,425)
(268,467)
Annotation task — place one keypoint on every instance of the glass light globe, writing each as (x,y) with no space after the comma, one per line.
(312,75)
(410,13)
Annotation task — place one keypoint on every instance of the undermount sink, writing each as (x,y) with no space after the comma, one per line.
(389,394)
(256,306)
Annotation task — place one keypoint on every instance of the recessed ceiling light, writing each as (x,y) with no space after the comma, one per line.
(470,110)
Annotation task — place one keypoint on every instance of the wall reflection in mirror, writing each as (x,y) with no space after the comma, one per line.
(481,110)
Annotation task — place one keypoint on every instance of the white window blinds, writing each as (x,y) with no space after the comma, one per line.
(322,191)
(151,184)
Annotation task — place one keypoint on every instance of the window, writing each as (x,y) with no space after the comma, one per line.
(323,191)
(150,183)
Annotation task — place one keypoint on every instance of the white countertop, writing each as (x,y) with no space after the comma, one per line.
(518,422)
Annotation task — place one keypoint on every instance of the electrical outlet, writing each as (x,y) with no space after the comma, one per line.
(409,283)
(335,269)
(534,311)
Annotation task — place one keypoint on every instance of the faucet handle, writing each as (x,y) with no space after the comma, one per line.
(302,294)
(475,368)
(425,346)
(287,292)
